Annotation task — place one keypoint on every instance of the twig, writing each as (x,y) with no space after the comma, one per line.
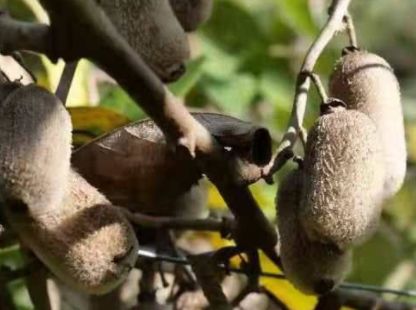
(208,276)
(36,280)
(37,286)
(65,82)
(18,36)
(224,226)
(319,86)
(340,9)
(352,35)
(347,286)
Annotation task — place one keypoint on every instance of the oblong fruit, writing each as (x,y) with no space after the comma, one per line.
(366,82)
(191,13)
(35,148)
(313,267)
(85,241)
(152,29)
(65,221)
(344,173)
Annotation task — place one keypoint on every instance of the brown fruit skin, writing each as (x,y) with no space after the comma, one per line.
(65,221)
(35,148)
(192,13)
(153,31)
(313,267)
(85,241)
(344,173)
(366,82)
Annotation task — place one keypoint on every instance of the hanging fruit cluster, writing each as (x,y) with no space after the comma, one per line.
(355,159)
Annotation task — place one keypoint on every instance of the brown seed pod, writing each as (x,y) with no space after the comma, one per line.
(366,83)
(135,168)
(85,241)
(313,267)
(344,173)
(152,29)
(192,13)
(65,221)
(35,147)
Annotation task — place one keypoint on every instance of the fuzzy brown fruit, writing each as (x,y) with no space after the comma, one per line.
(366,82)
(152,29)
(85,242)
(313,267)
(192,13)
(344,173)
(35,147)
(65,221)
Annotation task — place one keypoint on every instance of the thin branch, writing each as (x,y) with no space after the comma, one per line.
(64,85)
(37,285)
(17,36)
(340,9)
(208,276)
(224,226)
(319,86)
(352,35)
(357,296)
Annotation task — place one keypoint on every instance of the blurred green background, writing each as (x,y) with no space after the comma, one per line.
(245,63)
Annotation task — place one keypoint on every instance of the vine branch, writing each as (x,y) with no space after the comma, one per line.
(224,226)
(295,128)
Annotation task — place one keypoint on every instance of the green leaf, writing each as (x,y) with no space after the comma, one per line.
(194,71)
(233,27)
(218,63)
(295,13)
(233,95)
(20,295)
(115,98)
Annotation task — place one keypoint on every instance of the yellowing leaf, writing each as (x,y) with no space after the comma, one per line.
(283,290)
(91,122)
(79,93)
(215,200)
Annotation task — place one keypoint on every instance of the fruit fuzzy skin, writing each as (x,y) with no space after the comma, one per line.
(65,221)
(366,82)
(192,13)
(344,173)
(35,148)
(86,242)
(309,265)
(153,31)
